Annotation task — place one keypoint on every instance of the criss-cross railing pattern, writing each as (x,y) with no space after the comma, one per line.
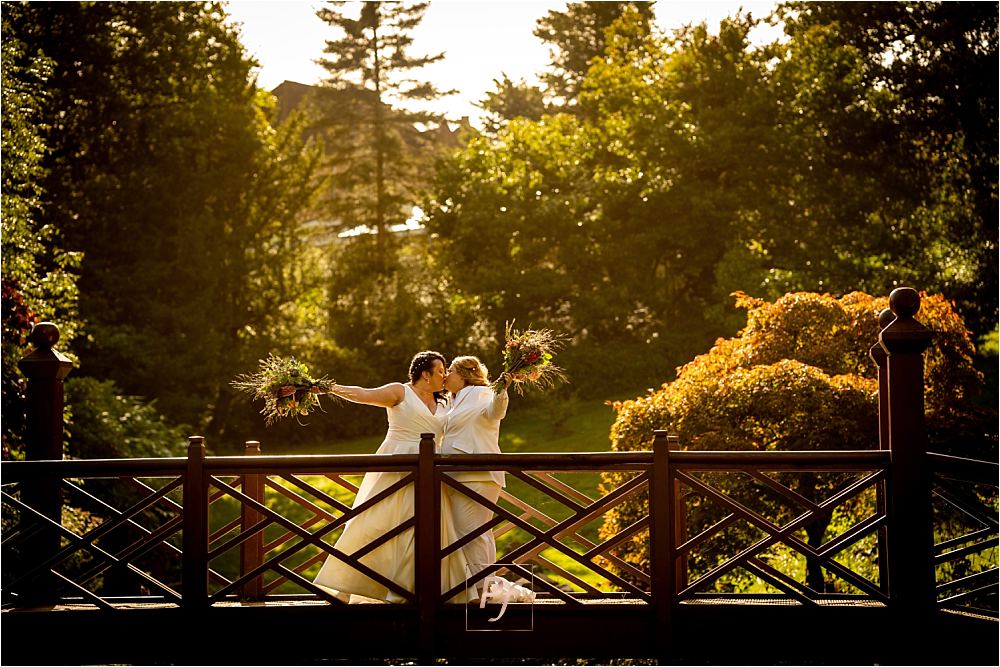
(119,539)
(965,534)
(538,513)
(293,537)
(292,555)
(121,536)
(564,531)
(280,518)
(270,522)
(801,525)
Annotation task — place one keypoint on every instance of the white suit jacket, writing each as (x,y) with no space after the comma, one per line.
(472,426)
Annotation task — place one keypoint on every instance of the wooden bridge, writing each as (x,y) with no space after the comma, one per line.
(210,559)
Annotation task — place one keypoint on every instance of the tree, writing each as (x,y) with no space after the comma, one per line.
(577,36)
(698,165)
(38,275)
(798,377)
(166,173)
(893,130)
(511,100)
(609,223)
(374,146)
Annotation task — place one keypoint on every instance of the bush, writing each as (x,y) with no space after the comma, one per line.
(798,377)
(106,424)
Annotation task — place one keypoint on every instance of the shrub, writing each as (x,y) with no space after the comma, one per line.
(106,424)
(798,377)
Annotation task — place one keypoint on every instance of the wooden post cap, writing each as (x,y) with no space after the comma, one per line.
(43,362)
(196,446)
(44,335)
(904,335)
(885,318)
(904,302)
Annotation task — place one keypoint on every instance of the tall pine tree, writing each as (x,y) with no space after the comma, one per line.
(367,118)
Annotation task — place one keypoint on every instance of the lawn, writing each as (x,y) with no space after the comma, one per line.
(532,425)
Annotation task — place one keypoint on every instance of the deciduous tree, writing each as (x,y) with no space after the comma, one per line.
(166,173)
(892,129)
(577,36)
(38,275)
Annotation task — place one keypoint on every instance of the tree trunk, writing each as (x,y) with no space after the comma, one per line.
(814,572)
(814,535)
(380,230)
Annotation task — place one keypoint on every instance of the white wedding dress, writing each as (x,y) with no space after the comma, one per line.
(394,559)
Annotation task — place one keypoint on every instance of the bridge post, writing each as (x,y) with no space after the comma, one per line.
(45,368)
(427,566)
(194,590)
(662,527)
(911,536)
(252,551)
(879,356)
(680,521)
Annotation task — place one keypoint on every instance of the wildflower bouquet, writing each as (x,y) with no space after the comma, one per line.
(527,358)
(285,386)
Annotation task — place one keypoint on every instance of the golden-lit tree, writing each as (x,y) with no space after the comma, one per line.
(798,377)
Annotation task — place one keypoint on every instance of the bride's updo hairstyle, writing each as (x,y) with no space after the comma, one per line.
(471,370)
(424,361)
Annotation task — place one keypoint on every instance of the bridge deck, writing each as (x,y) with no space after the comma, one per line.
(308,632)
(741,602)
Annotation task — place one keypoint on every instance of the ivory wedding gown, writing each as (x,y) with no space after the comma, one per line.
(394,559)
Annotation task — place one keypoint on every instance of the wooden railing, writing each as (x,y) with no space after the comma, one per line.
(811,528)
(199,531)
(965,534)
(218,518)
(845,484)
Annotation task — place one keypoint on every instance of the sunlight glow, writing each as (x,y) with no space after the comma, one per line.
(482,40)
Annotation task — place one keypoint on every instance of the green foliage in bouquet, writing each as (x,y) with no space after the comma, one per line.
(527,359)
(285,386)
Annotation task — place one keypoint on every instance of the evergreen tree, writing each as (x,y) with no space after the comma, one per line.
(367,116)
(577,36)
(510,100)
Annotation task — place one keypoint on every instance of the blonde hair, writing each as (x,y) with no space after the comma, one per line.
(471,370)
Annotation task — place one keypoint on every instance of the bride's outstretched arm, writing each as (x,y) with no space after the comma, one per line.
(385,396)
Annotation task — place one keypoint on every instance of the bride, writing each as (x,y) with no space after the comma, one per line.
(413,408)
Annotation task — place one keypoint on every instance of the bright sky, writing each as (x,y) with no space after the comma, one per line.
(481,39)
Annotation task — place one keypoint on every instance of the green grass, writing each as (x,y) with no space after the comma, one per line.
(532,425)
(573,426)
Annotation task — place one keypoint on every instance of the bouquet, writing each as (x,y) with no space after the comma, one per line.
(527,358)
(285,386)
